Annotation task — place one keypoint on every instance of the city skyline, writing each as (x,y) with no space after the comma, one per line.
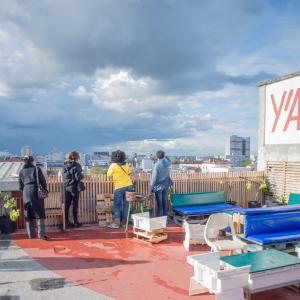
(137,75)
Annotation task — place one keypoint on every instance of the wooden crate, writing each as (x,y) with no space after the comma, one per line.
(152,237)
(104,219)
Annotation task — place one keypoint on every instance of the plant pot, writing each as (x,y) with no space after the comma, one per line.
(253,204)
(130,196)
(6,225)
(231,202)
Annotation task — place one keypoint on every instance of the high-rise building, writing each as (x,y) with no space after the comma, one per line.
(237,149)
(26,151)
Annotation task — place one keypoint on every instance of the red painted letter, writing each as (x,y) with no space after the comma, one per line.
(277,111)
(290,116)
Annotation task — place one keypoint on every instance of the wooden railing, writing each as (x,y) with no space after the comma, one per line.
(232,183)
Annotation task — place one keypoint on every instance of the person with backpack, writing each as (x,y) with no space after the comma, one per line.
(120,172)
(31,181)
(161,181)
(72,178)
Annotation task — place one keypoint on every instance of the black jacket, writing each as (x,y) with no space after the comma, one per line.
(34,207)
(72,174)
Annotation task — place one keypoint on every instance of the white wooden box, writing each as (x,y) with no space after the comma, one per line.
(144,222)
(207,272)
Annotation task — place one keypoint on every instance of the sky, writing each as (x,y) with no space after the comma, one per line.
(139,75)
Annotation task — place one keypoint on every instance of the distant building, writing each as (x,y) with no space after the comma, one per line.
(26,151)
(54,167)
(237,149)
(147,164)
(55,155)
(98,159)
(215,165)
(4,154)
(9,175)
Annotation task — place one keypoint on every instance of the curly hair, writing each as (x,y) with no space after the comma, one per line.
(73,156)
(118,157)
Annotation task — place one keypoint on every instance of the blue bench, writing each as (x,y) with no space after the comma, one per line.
(200,204)
(294,199)
(272,228)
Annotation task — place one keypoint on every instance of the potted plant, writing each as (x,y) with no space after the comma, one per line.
(282,200)
(10,213)
(264,186)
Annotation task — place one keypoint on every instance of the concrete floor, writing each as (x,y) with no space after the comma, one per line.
(109,263)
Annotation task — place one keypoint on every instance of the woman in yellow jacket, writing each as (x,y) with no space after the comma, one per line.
(119,170)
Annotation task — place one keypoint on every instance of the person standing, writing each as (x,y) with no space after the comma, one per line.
(72,175)
(120,172)
(34,209)
(161,181)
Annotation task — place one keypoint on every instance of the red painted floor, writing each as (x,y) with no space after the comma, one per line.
(107,262)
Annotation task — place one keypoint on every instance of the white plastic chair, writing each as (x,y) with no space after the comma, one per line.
(220,221)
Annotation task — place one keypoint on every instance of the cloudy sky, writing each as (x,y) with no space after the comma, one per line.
(139,74)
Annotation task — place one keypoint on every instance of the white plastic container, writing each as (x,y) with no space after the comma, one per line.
(144,222)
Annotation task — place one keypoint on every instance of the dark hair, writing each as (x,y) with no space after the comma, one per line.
(73,156)
(118,157)
(28,159)
(160,154)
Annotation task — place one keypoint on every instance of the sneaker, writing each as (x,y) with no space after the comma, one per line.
(44,237)
(69,225)
(77,225)
(114,226)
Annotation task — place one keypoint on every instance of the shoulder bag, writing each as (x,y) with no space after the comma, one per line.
(42,193)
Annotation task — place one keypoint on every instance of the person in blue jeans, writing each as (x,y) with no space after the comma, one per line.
(119,170)
(161,181)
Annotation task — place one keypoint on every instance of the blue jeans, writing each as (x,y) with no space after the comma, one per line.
(161,201)
(119,198)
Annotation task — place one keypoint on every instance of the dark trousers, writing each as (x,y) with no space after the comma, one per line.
(30,227)
(71,198)
(161,201)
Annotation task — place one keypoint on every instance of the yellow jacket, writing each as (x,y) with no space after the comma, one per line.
(120,175)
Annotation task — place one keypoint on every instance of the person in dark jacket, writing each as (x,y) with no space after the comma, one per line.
(72,176)
(33,206)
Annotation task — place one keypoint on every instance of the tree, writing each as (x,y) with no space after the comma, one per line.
(97,171)
(246,163)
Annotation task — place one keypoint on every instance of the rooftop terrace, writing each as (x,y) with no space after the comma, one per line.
(92,262)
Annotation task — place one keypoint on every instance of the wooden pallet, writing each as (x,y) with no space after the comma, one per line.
(152,237)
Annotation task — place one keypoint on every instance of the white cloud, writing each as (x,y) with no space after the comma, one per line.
(4,90)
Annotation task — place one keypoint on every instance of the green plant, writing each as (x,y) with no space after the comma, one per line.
(97,171)
(10,205)
(282,199)
(264,186)
(170,190)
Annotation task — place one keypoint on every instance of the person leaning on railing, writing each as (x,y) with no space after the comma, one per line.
(72,177)
(120,172)
(160,182)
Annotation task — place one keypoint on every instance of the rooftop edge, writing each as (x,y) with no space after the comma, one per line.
(279,78)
